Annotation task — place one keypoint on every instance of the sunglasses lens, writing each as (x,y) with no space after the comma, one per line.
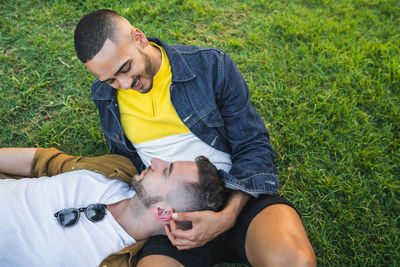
(68,217)
(96,212)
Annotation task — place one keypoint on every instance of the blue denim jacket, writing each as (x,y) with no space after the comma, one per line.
(213,101)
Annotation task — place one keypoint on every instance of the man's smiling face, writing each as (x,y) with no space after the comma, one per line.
(123,64)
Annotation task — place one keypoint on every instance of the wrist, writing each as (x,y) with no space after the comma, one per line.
(228,217)
(234,206)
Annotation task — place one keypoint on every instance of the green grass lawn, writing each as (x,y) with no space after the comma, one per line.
(324,75)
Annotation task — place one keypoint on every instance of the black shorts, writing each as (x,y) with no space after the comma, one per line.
(229,247)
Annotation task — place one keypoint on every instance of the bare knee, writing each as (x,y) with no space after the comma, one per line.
(276,237)
(158,260)
(290,256)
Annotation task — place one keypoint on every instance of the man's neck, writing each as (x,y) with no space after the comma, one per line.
(135,218)
(155,56)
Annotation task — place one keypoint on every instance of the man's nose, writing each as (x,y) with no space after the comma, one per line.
(125,82)
(158,164)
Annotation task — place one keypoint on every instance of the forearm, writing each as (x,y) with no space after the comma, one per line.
(237,200)
(17,161)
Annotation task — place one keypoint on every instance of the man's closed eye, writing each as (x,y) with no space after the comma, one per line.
(127,67)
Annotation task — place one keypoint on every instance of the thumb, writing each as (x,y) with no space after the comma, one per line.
(184,216)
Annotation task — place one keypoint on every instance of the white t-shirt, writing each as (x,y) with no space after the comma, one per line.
(182,147)
(30,235)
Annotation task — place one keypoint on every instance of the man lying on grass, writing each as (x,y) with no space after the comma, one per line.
(42,222)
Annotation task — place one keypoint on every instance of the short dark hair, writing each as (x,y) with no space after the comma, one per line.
(213,191)
(209,194)
(92,31)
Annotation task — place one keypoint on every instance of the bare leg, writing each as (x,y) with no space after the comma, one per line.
(276,237)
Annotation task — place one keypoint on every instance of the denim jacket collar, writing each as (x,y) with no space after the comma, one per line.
(103,91)
(181,72)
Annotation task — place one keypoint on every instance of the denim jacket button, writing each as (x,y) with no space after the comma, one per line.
(117,136)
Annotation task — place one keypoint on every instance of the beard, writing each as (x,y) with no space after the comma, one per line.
(148,70)
(143,195)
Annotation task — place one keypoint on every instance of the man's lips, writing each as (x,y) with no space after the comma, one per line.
(146,171)
(136,84)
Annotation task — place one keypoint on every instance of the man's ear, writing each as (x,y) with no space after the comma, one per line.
(139,37)
(162,211)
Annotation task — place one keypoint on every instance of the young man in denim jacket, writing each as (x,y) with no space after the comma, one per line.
(207,102)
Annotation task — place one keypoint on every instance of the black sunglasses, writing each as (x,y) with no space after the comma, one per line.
(69,217)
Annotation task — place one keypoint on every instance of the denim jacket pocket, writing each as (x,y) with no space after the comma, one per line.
(212,118)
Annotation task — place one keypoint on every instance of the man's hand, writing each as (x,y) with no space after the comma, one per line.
(206,225)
